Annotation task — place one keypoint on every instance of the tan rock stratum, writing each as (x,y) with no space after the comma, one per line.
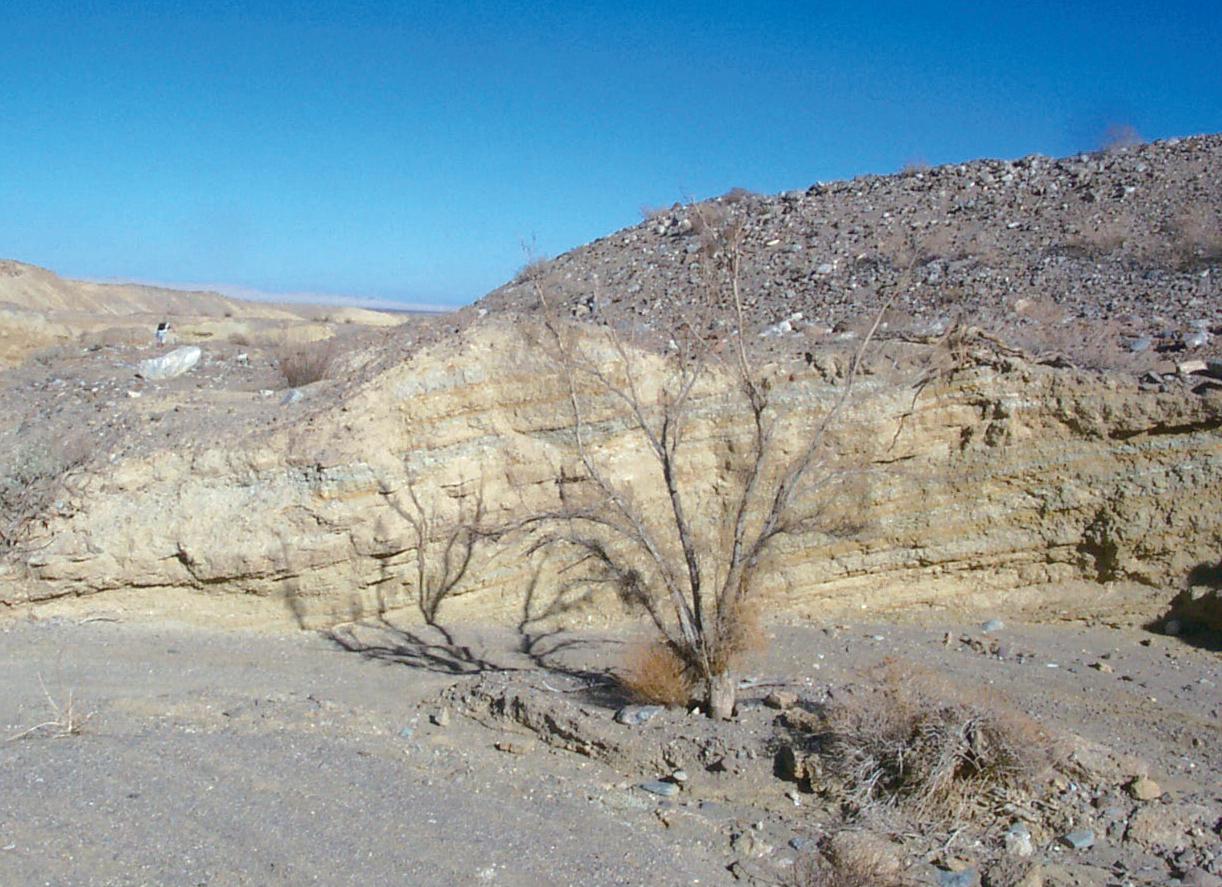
(1003,480)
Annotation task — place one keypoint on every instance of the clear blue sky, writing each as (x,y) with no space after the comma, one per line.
(406,150)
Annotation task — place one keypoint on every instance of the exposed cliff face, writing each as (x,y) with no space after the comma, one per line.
(1001,477)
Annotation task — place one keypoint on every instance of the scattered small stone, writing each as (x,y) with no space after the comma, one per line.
(441,718)
(803,843)
(748,844)
(1102,667)
(293,395)
(660,787)
(512,747)
(635,715)
(1173,627)
(781,699)
(1015,873)
(1018,840)
(1080,839)
(1198,877)
(1143,788)
(622,800)
(992,625)
(967,877)
(679,776)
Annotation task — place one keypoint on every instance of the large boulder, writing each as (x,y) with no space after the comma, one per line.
(170,365)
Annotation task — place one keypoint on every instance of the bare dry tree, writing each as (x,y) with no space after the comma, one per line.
(690,566)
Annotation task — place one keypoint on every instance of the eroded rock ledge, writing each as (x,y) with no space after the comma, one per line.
(1002,477)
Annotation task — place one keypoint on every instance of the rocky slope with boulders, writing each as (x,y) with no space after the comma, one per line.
(1017,469)
(1100,257)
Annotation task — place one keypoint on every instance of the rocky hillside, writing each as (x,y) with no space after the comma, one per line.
(1098,256)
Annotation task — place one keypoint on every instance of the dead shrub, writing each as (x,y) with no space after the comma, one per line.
(1119,136)
(242,340)
(862,870)
(37,466)
(1106,238)
(738,195)
(1196,239)
(305,364)
(911,739)
(655,674)
(534,269)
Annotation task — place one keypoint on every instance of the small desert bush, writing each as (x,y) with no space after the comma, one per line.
(654,674)
(304,364)
(1105,238)
(1119,136)
(814,870)
(737,195)
(911,739)
(1196,239)
(35,467)
(535,269)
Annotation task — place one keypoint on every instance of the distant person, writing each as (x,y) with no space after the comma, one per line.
(163,332)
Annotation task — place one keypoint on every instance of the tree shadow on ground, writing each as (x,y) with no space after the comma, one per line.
(537,643)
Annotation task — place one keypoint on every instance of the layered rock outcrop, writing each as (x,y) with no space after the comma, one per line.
(1001,477)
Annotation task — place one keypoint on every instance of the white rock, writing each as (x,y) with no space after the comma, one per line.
(177,362)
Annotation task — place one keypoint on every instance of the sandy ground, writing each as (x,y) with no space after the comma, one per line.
(234,757)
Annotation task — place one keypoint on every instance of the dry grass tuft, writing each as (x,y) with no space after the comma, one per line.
(654,674)
(912,739)
(66,719)
(306,364)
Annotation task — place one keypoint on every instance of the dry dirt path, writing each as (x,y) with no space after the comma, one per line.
(248,759)
(234,757)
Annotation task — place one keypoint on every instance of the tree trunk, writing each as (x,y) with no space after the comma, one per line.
(721,690)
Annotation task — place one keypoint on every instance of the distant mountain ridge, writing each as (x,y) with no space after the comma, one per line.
(31,288)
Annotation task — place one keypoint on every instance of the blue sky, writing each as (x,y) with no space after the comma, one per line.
(406,151)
